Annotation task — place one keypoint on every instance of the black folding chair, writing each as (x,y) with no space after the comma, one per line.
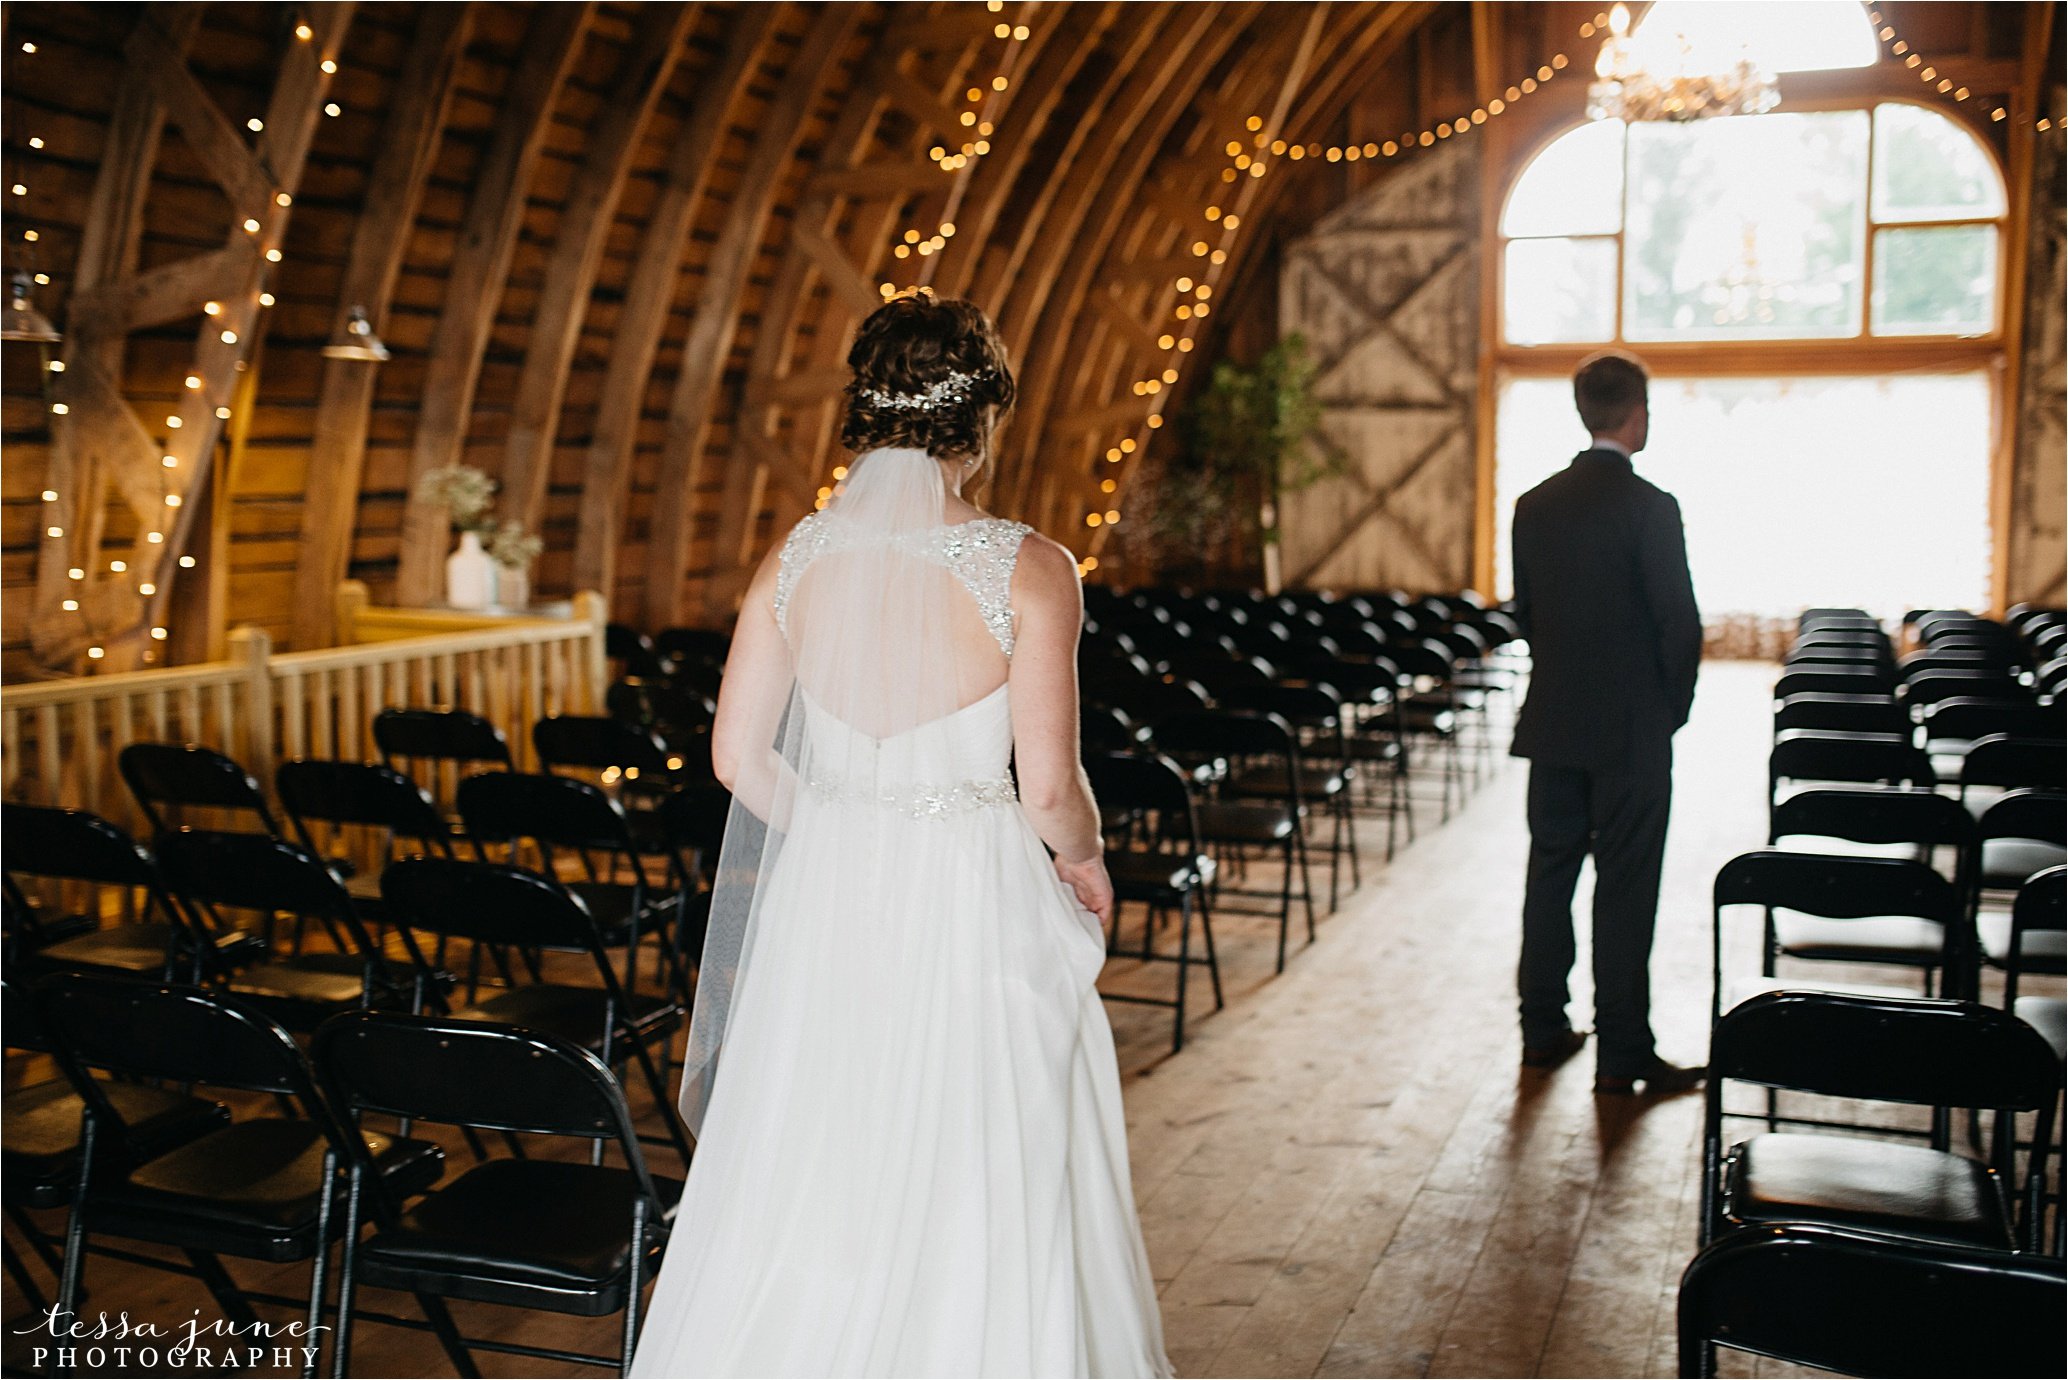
(1831,909)
(443,745)
(1159,861)
(1910,1051)
(498,903)
(541,1234)
(2020,835)
(1889,759)
(264,1188)
(62,845)
(2001,762)
(1242,740)
(208,871)
(39,1158)
(1834,681)
(329,798)
(1317,716)
(560,815)
(1834,713)
(1864,1304)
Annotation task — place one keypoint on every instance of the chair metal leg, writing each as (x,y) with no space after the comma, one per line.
(449,1335)
(635,1278)
(348,1279)
(25,1283)
(1213,961)
(1177,1038)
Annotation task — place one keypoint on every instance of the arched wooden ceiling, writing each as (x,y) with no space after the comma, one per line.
(617,250)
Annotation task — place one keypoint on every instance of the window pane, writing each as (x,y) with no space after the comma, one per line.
(1795,492)
(1560,291)
(1574,187)
(1937,281)
(1928,168)
(1749,228)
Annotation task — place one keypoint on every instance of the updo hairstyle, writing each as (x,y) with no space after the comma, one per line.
(925,370)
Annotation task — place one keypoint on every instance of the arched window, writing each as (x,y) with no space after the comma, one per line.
(1829,224)
(1819,295)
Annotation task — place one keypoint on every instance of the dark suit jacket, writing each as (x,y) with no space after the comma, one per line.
(1602,593)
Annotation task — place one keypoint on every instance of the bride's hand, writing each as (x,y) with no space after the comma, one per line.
(1093,887)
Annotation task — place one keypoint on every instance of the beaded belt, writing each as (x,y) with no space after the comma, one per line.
(920,802)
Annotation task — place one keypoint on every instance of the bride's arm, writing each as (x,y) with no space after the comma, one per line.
(751,699)
(1053,789)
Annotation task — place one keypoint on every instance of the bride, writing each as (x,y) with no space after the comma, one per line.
(910,1152)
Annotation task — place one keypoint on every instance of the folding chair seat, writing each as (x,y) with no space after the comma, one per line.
(1801,755)
(1269,825)
(1161,862)
(1844,910)
(265,1188)
(72,845)
(498,903)
(1862,1304)
(2019,841)
(1907,1051)
(208,871)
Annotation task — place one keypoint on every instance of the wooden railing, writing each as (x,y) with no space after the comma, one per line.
(59,740)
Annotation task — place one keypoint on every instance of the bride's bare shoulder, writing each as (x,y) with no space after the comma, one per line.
(1046,573)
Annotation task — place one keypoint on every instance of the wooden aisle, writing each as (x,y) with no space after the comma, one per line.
(1347,1174)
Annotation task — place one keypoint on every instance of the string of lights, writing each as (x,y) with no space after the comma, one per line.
(204,393)
(1935,78)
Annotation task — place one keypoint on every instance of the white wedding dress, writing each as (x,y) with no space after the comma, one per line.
(913,1160)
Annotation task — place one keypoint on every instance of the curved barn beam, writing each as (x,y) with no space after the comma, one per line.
(409,141)
(474,287)
(585,224)
(880,193)
(607,465)
(718,313)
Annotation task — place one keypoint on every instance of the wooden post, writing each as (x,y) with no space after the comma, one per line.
(593,608)
(350,601)
(252,649)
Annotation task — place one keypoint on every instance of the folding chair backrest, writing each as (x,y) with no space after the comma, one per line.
(439,735)
(189,776)
(1876,815)
(47,841)
(2042,902)
(2001,760)
(1971,717)
(553,811)
(473,1073)
(1864,1304)
(1929,687)
(1228,732)
(1303,706)
(1914,1050)
(1140,781)
(1848,681)
(598,743)
(364,793)
(1841,713)
(1820,755)
(486,902)
(1835,887)
(179,1034)
(2026,814)
(251,872)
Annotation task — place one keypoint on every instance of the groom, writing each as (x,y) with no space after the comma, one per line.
(1602,593)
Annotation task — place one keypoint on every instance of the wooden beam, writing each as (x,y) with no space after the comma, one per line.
(585,224)
(108,244)
(718,315)
(417,106)
(891,177)
(846,281)
(474,284)
(157,296)
(607,467)
(207,131)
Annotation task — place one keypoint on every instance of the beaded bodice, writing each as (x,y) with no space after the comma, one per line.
(980,554)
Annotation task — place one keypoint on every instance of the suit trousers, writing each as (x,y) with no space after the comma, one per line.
(1620,818)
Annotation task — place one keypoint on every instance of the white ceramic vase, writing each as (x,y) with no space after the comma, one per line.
(470,575)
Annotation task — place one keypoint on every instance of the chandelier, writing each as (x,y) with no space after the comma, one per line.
(1662,77)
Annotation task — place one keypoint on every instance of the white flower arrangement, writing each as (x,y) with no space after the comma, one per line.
(514,548)
(464,491)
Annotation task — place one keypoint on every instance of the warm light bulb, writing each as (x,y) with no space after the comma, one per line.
(174,422)
(71,606)
(229,337)
(158,633)
(193,380)
(57,366)
(187,562)
(267,299)
(333,109)
(147,589)
(212,308)
(172,500)
(50,495)
(118,566)
(304,32)
(60,408)
(95,653)
(155,538)
(329,65)
(76,573)
(254,124)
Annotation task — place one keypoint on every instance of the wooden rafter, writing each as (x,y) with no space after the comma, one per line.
(585,224)
(717,321)
(607,466)
(344,402)
(474,285)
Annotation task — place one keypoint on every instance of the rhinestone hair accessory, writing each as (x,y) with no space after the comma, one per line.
(951,388)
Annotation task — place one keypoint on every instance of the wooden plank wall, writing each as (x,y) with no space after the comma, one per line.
(1109,145)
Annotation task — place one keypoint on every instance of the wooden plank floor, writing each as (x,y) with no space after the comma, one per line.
(1345,1173)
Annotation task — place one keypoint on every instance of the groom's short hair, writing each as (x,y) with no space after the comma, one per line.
(1606,387)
